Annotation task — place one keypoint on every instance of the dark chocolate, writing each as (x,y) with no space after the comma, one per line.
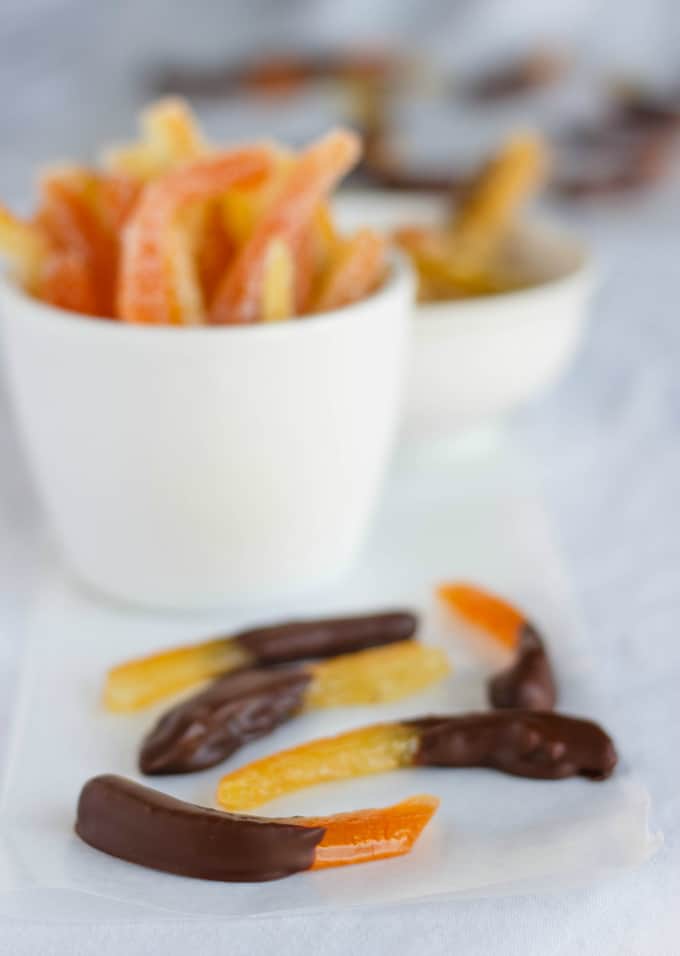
(209,726)
(528,683)
(545,746)
(535,71)
(298,640)
(144,826)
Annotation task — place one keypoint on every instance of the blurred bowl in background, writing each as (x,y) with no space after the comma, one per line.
(475,360)
(196,467)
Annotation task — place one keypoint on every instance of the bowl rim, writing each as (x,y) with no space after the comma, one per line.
(400,277)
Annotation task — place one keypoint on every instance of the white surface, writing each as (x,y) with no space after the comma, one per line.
(473,361)
(606,444)
(439,520)
(200,467)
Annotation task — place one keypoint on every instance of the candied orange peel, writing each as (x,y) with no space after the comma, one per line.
(484,610)
(375,676)
(375,749)
(361,836)
(464,257)
(158,282)
(138,683)
(173,230)
(312,176)
(25,246)
(502,187)
(355,270)
(145,680)
(169,136)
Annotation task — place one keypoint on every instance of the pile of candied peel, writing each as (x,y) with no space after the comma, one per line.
(171,230)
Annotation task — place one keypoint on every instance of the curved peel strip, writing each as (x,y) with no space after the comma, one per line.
(67,283)
(170,135)
(117,197)
(278,289)
(375,676)
(355,271)
(144,826)
(143,681)
(374,749)
(211,725)
(70,216)
(442,272)
(25,245)
(315,173)
(484,610)
(365,835)
(156,284)
(500,189)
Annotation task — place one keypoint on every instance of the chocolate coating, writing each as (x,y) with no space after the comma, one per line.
(528,683)
(545,746)
(141,825)
(209,726)
(298,640)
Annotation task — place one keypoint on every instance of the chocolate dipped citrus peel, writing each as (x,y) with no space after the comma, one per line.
(143,681)
(239,707)
(141,825)
(544,746)
(528,683)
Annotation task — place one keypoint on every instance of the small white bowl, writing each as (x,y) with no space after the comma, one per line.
(475,360)
(206,466)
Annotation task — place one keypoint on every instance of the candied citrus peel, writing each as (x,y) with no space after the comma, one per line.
(278,283)
(356,270)
(442,274)
(25,245)
(484,610)
(71,218)
(375,834)
(158,282)
(67,282)
(376,675)
(170,230)
(502,186)
(375,749)
(243,206)
(464,256)
(169,136)
(312,176)
(141,682)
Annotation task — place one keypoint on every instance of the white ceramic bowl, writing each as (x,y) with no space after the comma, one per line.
(475,360)
(197,467)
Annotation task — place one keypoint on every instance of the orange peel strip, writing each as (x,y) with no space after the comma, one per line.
(70,217)
(278,284)
(375,749)
(66,282)
(157,284)
(143,681)
(117,197)
(315,245)
(375,834)
(356,271)
(484,610)
(213,247)
(25,245)
(375,676)
(315,173)
(170,136)
(501,188)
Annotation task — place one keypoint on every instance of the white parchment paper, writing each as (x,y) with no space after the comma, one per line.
(445,515)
